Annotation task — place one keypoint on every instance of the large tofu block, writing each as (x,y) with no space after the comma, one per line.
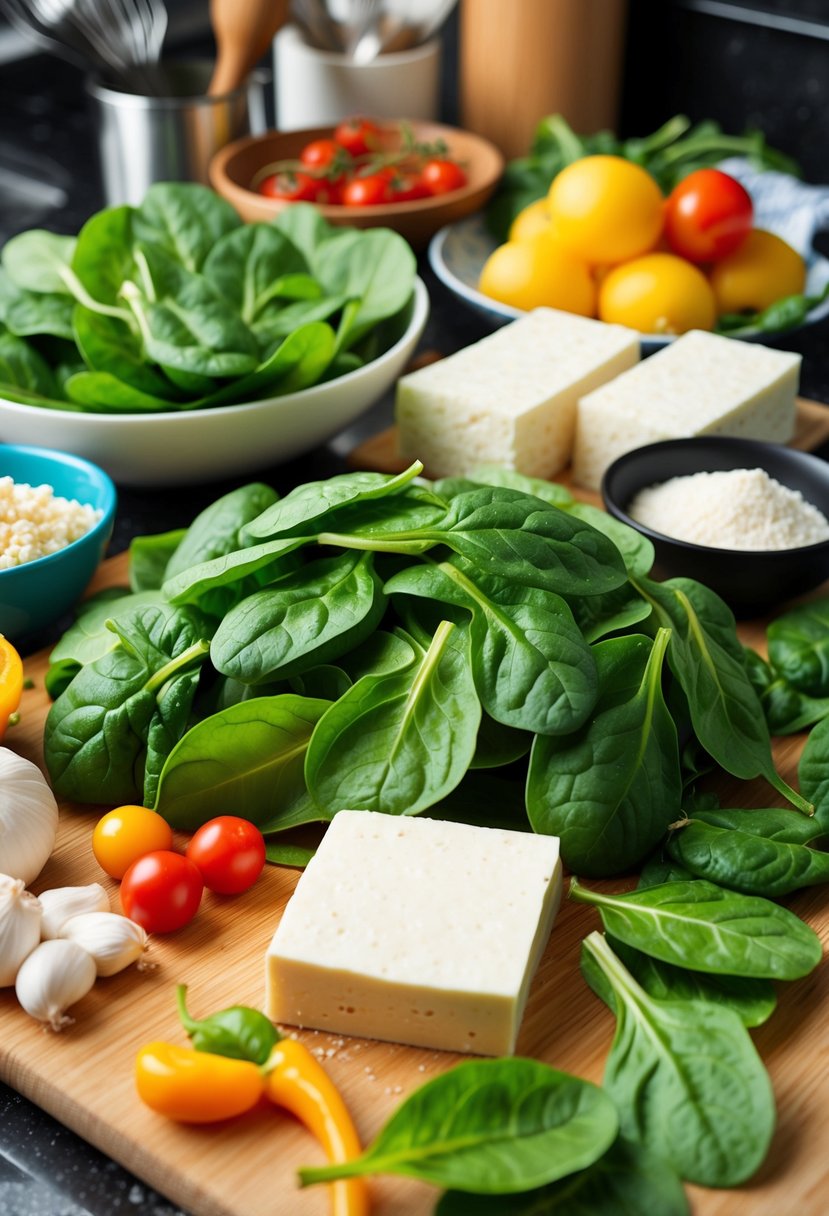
(415,931)
(510,399)
(702,384)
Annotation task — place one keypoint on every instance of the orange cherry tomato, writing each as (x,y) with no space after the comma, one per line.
(127,833)
(606,209)
(11,682)
(657,294)
(762,270)
(538,273)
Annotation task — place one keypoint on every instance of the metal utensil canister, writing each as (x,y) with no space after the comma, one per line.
(157,124)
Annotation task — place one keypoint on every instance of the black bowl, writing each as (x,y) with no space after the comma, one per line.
(749,581)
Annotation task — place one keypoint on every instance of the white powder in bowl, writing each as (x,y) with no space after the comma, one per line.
(738,509)
(34,522)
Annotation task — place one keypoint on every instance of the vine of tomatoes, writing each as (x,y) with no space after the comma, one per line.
(364,164)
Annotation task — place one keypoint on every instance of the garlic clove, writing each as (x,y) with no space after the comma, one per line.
(20,918)
(28,817)
(62,903)
(113,941)
(54,976)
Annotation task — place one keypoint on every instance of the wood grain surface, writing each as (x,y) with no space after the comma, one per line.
(247,1167)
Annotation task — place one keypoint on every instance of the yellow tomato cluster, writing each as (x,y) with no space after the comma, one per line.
(594,246)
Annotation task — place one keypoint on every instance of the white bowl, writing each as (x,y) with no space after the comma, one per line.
(457,254)
(184,447)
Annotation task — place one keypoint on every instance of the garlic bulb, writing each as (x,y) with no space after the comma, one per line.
(28,817)
(20,915)
(112,940)
(53,977)
(62,903)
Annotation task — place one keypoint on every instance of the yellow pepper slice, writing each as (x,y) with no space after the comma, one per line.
(296,1081)
(196,1086)
(11,682)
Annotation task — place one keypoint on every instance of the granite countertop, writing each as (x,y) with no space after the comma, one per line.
(46,1170)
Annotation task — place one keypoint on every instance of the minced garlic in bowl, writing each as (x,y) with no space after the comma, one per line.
(34,522)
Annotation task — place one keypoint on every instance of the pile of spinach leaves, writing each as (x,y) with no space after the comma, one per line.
(488,650)
(375,640)
(178,305)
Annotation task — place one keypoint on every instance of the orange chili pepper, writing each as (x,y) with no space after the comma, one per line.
(11,682)
(196,1086)
(296,1081)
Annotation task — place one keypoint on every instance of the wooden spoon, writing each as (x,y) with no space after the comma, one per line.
(244,30)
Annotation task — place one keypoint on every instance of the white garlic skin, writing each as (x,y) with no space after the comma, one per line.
(20,918)
(54,976)
(62,903)
(28,817)
(112,940)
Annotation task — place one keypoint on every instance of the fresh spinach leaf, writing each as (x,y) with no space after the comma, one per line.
(185,220)
(687,1080)
(95,740)
(308,617)
(658,870)
(532,668)
(375,268)
(489,1127)
(90,637)
(636,550)
(21,366)
(706,928)
(611,789)
(149,557)
(29,313)
(196,583)
(249,756)
(186,325)
(110,345)
(247,265)
(167,726)
(707,659)
(498,745)
(548,491)
(103,257)
(39,261)
(324,681)
(813,773)
(283,854)
(754,1001)
(511,535)
(107,394)
(628,1180)
(744,861)
(600,615)
(216,531)
(399,742)
(799,647)
(300,512)
(59,676)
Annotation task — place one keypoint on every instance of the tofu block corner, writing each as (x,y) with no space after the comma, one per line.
(415,931)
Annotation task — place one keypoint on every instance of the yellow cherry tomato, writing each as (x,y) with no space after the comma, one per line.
(124,835)
(532,221)
(11,682)
(606,209)
(538,273)
(761,270)
(658,294)
(196,1086)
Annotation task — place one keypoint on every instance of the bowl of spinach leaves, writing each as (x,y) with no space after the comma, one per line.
(171,343)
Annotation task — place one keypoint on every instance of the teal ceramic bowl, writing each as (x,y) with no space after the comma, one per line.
(37,593)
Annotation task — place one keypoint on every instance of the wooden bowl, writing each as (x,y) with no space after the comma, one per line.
(234,167)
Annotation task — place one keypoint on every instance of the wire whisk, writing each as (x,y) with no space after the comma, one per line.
(107,35)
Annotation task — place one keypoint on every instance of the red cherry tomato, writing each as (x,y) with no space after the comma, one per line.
(442,176)
(294,187)
(406,188)
(161,891)
(320,153)
(359,136)
(229,853)
(367,191)
(707,216)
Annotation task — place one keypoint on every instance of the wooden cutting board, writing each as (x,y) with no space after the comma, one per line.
(247,1167)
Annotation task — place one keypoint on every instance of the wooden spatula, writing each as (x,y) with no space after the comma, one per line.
(244,30)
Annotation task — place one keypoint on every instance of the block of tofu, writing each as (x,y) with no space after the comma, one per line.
(415,931)
(510,399)
(702,384)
